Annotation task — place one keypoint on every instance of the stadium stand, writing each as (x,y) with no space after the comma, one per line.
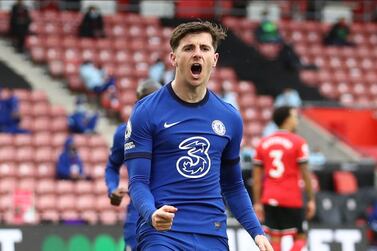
(347,76)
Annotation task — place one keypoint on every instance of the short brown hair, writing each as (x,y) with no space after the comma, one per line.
(281,114)
(217,32)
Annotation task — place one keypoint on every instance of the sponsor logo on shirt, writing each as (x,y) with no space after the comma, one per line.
(128,130)
(129,145)
(196,163)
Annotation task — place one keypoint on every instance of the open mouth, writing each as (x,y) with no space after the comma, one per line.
(196,69)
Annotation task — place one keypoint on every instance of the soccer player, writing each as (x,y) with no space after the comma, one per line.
(182,153)
(280,162)
(114,163)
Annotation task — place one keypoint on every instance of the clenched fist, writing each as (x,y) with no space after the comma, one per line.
(162,218)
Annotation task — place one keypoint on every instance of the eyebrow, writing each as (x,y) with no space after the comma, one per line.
(191,45)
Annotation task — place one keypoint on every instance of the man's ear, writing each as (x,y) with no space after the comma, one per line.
(172,58)
(216,57)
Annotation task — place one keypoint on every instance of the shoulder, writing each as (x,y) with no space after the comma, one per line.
(121,129)
(297,138)
(223,106)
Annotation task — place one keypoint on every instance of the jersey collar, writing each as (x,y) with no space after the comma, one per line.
(200,103)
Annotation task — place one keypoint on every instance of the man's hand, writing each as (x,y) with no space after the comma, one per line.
(263,243)
(310,209)
(117,196)
(259,211)
(162,218)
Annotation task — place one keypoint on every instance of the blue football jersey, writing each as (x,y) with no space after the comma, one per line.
(186,142)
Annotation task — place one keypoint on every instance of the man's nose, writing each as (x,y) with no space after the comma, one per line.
(198,52)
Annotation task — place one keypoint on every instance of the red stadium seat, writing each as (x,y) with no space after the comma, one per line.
(89,216)
(100,188)
(85,202)
(49,215)
(23,140)
(345,182)
(66,202)
(83,187)
(7,184)
(7,170)
(6,139)
(64,187)
(7,154)
(45,186)
(46,170)
(26,170)
(108,217)
(25,154)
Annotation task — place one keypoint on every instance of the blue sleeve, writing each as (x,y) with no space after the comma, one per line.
(139,174)
(115,160)
(232,185)
(237,198)
(139,134)
(138,153)
(232,150)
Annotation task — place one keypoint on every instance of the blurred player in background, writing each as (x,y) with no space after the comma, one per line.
(114,163)
(279,163)
(182,153)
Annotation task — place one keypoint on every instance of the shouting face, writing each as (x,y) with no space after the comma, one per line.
(194,59)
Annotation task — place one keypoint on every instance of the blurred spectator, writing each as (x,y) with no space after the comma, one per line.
(94,78)
(339,34)
(168,75)
(92,24)
(69,165)
(9,113)
(316,157)
(291,59)
(157,70)
(81,121)
(271,45)
(289,97)
(228,96)
(269,129)
(19,24)
(267,31)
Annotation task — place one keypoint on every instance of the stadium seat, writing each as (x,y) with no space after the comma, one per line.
(66,202)
(83,187)
(45,186)
(7,184)
(7,154)
(49,216)
(25,170)
(328,208)
(345,182)
(64,187)
(89,216)
(46,169)
(85,202)
(108,217)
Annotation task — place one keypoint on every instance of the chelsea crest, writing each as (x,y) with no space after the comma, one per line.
(218,127)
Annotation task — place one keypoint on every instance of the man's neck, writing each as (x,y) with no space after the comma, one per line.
(188,93)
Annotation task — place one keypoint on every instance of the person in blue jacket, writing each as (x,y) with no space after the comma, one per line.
(69,165)
(81,121)
(10,117)
(114,163)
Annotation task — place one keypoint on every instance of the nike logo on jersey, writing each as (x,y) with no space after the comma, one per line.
(167,125)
